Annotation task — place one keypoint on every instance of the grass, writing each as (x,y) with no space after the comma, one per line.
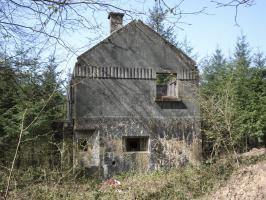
(185,183)
(191,182)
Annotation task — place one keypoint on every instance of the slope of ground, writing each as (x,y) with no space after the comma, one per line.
(247,183)
(223,179)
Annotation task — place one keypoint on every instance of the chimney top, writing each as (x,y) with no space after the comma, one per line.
(116,21)
(115,14)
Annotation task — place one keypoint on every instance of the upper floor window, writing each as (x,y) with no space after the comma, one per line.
(166,87)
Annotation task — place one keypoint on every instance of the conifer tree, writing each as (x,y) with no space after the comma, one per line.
(157,20)
(259,60)
(242,52)
(27,84)
(233,103)
(215,65)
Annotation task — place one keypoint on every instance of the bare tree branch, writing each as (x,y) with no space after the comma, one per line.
(42,23)
(236,4)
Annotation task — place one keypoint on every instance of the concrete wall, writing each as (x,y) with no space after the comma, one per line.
(111,102)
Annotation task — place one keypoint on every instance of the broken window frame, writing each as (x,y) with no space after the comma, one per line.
(162,89)
(81,145)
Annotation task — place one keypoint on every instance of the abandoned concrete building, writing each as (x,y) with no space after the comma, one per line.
(132,103)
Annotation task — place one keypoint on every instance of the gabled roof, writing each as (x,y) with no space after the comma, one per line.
(143,26)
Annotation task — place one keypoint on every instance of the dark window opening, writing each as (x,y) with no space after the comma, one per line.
(83,144)
(136,143)
(166,87)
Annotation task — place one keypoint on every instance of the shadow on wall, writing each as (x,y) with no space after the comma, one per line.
(171,105)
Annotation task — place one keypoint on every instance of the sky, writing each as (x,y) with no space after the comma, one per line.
(218,28)
(207,31)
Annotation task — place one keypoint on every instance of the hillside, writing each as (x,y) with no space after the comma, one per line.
(246,183)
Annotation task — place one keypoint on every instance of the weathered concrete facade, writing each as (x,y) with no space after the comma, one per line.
(119,124)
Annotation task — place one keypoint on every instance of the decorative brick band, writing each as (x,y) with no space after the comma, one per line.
(187,75)
(114,72)
(129,73)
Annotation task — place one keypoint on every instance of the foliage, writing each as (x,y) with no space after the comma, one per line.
(164,79)
(233,101)
(157,20)
(27,84)
(192,182)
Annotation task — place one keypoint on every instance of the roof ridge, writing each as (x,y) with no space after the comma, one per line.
(105,39)
(183,55)
(169,43)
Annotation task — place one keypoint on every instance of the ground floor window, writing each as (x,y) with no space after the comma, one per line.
(83,144)
(135,143)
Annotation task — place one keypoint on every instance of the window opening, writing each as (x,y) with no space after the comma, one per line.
(136,143)
(83,144)
(166,86)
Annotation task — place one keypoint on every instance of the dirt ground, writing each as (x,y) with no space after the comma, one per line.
(248,183)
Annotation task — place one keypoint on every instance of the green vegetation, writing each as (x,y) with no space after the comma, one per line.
(232,93)
(233,99)
(158,21)
(164,79)
(30,87)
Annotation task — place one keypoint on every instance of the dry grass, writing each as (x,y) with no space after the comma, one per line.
(191,182)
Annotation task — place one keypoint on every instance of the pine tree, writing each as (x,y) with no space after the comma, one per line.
(242,52)
(214,66)
(259,60)
(25,85)
(157,21)
(233,103)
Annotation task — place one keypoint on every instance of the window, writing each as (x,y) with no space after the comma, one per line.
(166,87)
(132,144)
(83,144)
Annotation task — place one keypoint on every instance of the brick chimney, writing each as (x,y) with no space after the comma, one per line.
(116,21)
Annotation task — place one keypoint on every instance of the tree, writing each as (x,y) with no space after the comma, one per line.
(8,95)
(48,23)
(157,20)
(216,63)
(259,60)
(242,52)
(217,105)
(39,92)
(233,101)
(236,4)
